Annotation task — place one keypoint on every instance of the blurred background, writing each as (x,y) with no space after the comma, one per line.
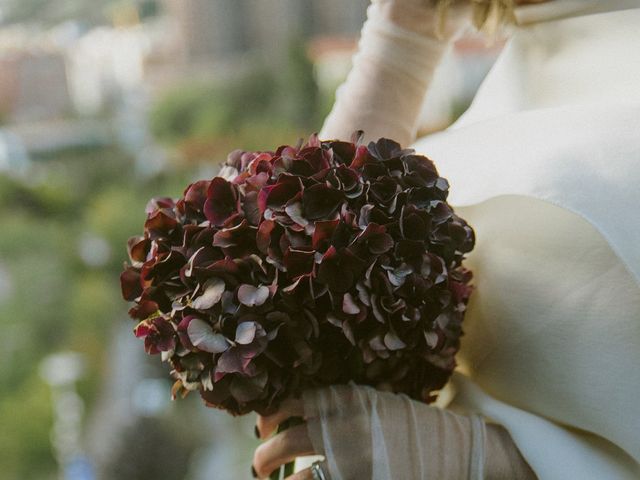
(104,104)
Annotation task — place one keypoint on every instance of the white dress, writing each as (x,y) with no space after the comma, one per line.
(546,166)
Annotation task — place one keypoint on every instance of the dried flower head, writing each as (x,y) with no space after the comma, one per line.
(308,266)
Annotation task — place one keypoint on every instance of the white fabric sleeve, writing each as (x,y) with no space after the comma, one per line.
(367,434)
(392,69)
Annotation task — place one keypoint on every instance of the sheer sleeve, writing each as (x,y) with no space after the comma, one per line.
(367,434)
(399,49)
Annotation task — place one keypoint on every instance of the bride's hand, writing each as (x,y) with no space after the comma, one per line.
(285,446)
(367,433)
(371,434)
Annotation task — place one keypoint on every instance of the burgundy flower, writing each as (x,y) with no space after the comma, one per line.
(195,196)
(321,202)
(299,262)
(323,233)
(343,152)
(318,158)
(130,283)
(163,267)
(161,222)
(238,240)
(311,265)
(158,334)
(383,191)
(159,203)
(144,309)
(183,333)
(386,149)
(415,223)
(249,342)
(138,248)
(374,240)
(339,269)
(275,197)
(222,201)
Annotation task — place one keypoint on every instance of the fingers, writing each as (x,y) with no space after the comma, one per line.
(301,475)
(280,449)
(294,407)
(290,408)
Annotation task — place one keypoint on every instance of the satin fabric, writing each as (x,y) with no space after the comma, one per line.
(546,166)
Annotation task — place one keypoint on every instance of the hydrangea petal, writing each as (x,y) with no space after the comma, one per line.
(393,342)
(203,337)
(222,201)
(252,296)
(246,332)
(213,290)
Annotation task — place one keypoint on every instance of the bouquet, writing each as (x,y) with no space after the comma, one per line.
(313,265)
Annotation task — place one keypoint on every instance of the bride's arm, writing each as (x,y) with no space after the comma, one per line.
(399,50)
(367,434)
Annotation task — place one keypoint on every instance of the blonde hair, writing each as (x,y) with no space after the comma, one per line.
(488,15)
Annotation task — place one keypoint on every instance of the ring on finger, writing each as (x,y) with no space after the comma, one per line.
(317,471)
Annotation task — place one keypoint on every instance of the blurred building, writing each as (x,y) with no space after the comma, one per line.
(105,62)
(217,29)
(33,78)
(207,29)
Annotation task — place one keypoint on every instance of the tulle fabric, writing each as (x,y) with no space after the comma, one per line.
(396,61)
(367,434)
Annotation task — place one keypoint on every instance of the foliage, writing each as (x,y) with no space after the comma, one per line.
(202,110)
(55,301)
(41,200)
(267,105)
(299,88)
(25,449)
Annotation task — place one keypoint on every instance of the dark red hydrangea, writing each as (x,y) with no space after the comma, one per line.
(308,266)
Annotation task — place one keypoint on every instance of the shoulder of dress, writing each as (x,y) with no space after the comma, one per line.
(538,150)
(585,159)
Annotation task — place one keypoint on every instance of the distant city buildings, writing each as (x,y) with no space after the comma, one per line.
(70,71)
(217,29)
(105,62)
(33,79)
(50,74)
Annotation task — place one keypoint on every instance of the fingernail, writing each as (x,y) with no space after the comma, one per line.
(253,472)
(256,431)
